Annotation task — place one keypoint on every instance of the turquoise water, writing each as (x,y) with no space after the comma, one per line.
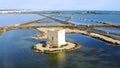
(11,19)
(16,52)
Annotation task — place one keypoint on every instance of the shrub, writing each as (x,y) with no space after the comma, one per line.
(63,45)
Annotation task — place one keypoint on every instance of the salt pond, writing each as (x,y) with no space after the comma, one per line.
(16,52)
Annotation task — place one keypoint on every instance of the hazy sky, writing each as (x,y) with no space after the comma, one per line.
(61,4)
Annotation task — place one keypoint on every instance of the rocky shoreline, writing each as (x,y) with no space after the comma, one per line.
(69,47)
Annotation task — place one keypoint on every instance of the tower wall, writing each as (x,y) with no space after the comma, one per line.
(55,38)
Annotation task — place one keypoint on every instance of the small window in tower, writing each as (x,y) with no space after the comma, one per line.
(52,38)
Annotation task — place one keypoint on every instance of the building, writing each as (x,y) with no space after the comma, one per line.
(55,38)
(6,11)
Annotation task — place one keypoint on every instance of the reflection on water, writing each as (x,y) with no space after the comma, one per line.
(15,52)
(56,60)
(87,57)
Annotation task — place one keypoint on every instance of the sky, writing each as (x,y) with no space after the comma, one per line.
(49,5)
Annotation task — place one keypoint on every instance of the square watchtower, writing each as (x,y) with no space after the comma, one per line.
(55,38)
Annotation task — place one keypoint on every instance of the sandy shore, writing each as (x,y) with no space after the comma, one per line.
(104,38)
(1,31)
(43,33)
(70,46)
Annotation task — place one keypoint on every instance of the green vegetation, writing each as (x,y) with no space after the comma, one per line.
(63,45)
(60,46)
(55,47)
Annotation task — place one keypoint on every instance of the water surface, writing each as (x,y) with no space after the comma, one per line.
(16,52)
(109,29)
(11,19)
(45,22)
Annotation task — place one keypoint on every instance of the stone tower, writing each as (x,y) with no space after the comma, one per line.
(55,38)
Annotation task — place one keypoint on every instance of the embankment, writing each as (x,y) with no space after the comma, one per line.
(75,30)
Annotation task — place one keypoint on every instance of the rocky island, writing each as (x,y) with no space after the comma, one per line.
(55,43)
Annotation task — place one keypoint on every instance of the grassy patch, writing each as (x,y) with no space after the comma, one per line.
(64,45)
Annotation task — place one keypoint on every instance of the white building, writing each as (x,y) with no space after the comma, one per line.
(55,38)
(13,11)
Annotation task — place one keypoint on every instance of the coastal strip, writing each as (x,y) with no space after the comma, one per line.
(105,38)
(1,31)
(68,29)
(110,40)
(34,21)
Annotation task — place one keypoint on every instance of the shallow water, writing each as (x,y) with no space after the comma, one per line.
(16,52)
(109,29)
(11,19)
(45,22)
(90,18)
(86,19)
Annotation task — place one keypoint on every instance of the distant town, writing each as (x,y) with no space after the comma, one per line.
(29,11)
